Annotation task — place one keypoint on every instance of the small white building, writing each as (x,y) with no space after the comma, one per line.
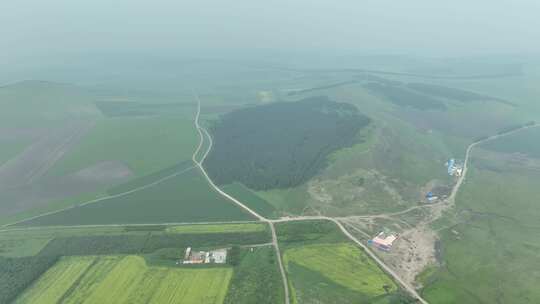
(218,256)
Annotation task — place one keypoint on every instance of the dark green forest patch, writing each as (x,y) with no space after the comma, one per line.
(451,93)
(404,97)
(424,96)
(16,274)
(146,243)
(322,87)
(282,144)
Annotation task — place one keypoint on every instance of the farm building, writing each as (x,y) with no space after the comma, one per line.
(192,257)
(430,197)
(218,256)
(383,241)
(454,169)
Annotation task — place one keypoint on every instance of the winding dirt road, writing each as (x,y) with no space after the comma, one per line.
(199,164)
(202,131)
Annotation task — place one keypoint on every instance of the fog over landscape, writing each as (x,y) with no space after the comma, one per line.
(32,28)
(276,152)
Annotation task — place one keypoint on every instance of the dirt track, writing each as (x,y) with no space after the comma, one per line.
(444,204)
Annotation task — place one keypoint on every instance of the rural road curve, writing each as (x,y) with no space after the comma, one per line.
(270,222)
(202,131)
(451,198)
(381,263)
(199,164)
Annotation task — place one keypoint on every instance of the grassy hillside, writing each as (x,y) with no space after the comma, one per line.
(525,142)
(488,254)
(418,123)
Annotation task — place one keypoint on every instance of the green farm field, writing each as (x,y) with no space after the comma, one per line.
(41,104)
(250,198)
(323,267)
(80,264)
(126,280)
(11,148)
(146,145)
(217,228)
(343,264)
(183,198)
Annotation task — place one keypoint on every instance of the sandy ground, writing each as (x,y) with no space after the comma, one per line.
(412,253)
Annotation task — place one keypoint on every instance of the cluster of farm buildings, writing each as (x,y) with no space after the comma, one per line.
(218,256)
(383,241)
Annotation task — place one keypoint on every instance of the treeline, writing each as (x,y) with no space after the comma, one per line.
(449,93)
(423,96)
(324,87)
(404,97)
(146,243)
(16,274)
(282,144)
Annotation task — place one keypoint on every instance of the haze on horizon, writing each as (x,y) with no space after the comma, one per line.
(33,28)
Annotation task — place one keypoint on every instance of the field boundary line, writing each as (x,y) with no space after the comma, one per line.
(202,132)
(104,198)
(170,224)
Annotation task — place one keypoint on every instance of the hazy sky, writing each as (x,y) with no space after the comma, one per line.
(37,27)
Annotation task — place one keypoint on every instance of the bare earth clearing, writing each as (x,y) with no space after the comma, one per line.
(416,247)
